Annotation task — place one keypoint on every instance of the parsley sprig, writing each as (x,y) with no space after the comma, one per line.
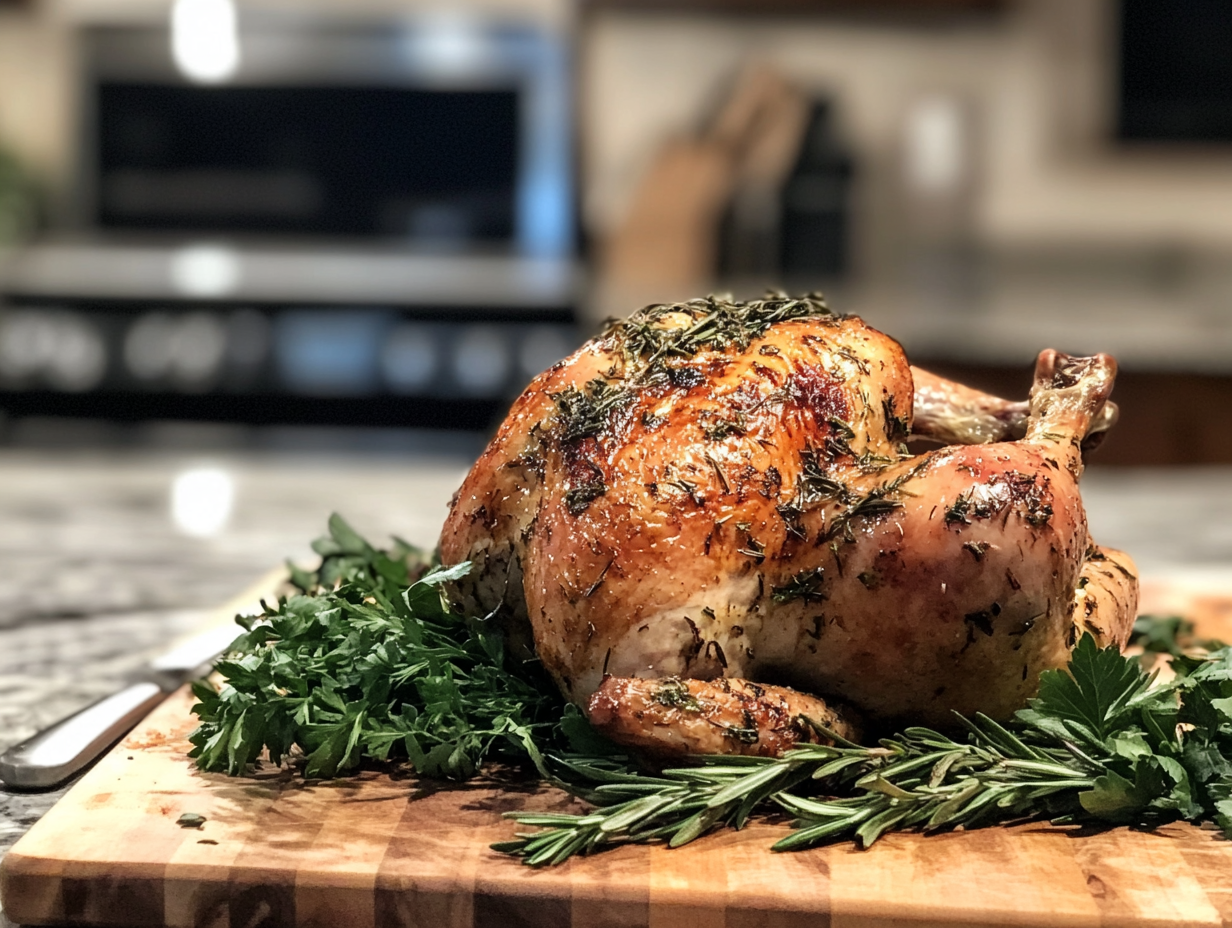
(370,663)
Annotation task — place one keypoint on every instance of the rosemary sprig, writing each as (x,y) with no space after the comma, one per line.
(1101,743)
(920,779)
(717,324)
(676,806)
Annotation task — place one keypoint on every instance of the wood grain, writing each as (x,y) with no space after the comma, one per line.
(380,850)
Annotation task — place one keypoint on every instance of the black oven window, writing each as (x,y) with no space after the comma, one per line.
(429,165)
(1176,70)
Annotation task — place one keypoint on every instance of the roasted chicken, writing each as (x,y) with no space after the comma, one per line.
(710,523)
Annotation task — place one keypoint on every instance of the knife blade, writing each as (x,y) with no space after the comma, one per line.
(57,752)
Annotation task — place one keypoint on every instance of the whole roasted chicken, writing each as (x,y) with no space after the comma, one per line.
(709,521)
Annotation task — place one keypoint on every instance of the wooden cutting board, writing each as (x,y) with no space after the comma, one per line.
(374,850)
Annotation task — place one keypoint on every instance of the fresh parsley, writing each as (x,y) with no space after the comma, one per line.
(1168,634)
(370,663)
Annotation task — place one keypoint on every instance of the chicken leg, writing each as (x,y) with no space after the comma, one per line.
(954,414)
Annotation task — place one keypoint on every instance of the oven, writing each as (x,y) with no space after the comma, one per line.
(287,218)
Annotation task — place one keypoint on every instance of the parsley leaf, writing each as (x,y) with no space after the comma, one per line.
(1092,695)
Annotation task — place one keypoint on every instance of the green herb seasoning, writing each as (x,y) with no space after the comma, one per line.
(806,586)
(1102,743)
(369,664)
(715,324)
(651,345)
(585,413)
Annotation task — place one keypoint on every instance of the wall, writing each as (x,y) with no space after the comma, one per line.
(1037,77)
(36,93)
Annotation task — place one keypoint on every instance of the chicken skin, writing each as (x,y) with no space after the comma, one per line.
(709,521)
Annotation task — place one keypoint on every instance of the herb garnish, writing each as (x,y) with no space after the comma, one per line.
(719,428)
(806,585)
(839,437)
(578,498)
(957,513)
(647,345)
(881,499)
(585,413)
(675,695)
(898,428)
(369,663)
(1102,743)
(816,484)
(375,668)
(717,323)
(754,549)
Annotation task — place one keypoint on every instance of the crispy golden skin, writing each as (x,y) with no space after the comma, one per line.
(744,508)
(721,716)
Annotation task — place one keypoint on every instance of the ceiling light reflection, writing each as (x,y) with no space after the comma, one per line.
(201,501)
(205,39)
(205,270)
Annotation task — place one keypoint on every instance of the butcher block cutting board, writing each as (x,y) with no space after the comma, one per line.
(378,850)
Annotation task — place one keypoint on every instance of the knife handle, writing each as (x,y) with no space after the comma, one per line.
(56,753)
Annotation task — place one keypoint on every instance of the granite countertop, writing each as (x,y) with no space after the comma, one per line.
(97,575)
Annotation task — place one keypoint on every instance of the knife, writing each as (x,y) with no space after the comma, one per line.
(56,753)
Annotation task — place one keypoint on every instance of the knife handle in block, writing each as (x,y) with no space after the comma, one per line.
(56,753)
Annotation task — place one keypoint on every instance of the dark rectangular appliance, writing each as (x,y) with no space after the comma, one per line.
(1175,82)
(361,222)
(396,162)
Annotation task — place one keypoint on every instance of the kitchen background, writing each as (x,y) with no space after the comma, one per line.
(393,213)
(265,259)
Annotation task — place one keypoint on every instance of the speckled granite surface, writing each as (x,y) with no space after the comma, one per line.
(51,668)
(97,576)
